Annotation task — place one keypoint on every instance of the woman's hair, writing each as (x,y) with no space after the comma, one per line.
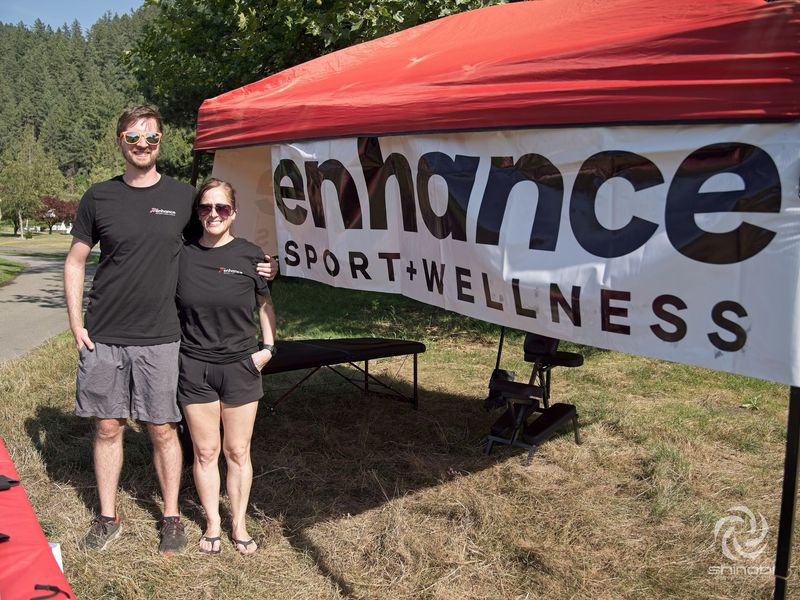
(212,183)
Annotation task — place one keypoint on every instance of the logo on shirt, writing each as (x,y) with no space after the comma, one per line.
(227,271)
(162,211)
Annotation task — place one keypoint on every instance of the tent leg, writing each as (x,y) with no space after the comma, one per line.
(500,347)
(789,495)
(196,166)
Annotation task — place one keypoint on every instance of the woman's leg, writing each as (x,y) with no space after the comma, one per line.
(237,421)
(203,420)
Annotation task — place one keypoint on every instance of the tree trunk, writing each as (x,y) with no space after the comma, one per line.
(21,232)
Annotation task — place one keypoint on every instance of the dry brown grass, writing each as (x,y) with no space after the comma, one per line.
(369,499)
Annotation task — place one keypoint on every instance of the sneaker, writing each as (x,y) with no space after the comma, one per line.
(173,538)
(102,531)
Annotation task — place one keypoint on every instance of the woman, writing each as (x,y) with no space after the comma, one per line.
(220,380)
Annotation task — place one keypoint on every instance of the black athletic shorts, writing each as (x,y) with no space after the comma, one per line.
(233,383)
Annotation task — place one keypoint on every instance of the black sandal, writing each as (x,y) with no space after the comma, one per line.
(212,541)
(245,544)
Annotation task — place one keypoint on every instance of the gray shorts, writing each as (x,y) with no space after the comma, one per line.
(120,382)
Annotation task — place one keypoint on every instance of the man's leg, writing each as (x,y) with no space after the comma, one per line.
(108,438)
(168,462)
(106,526)
(154,376)
(102,387)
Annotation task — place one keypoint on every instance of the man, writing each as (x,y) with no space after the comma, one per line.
(128,347)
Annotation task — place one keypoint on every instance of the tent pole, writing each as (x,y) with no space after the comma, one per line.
(196,166)
(500,347)
(789,495)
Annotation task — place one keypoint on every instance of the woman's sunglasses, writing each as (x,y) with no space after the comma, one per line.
(153,138)
(223,210)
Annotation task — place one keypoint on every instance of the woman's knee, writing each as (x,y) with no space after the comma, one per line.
(206,455)
(237,454)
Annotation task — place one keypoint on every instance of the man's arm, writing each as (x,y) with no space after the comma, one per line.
(267,269)
(266,317)
(74,273)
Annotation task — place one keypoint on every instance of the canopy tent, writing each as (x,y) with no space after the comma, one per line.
(620,173)
(545,63)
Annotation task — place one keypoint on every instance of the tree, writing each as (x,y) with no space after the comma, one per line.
(106,160)
(27,174)
(67,84)
(196,49)
(175,157)
(54,210)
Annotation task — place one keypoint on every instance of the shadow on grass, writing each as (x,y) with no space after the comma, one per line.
(329,452)
(65,443)
(326,453)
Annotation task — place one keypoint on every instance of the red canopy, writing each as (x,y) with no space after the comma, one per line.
(25,558)
(543,63)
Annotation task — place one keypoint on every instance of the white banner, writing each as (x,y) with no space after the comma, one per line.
(678,242)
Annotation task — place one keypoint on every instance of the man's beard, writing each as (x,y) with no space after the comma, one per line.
(144,166)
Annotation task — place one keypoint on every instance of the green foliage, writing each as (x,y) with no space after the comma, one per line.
(175,157)
(67,85)
(9,270)
(197,49)
(27,174)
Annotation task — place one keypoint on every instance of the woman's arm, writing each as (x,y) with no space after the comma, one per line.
(266,318)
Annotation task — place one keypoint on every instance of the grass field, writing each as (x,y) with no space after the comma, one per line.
(40,242)
(8,270)
(366,498)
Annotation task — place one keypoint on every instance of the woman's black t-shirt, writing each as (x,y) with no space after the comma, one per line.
(216,298)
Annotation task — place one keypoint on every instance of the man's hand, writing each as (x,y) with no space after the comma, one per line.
(82,339)
(268,269)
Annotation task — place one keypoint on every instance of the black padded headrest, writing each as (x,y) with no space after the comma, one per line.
(540,344)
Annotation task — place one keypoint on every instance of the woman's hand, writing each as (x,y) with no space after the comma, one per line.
(261,358)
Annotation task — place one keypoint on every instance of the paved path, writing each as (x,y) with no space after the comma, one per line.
(32,307)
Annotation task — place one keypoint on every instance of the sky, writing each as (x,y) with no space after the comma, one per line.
(57,12)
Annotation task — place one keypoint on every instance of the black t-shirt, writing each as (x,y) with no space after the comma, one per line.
(132,300)
(216,298)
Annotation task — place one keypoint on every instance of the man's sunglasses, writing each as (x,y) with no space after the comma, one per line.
(131,137)
(223,210)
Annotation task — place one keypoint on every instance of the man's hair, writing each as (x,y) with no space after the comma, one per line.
(134,113)
(212,183)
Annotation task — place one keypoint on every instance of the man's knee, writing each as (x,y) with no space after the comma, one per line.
(109,431)
(163,435)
